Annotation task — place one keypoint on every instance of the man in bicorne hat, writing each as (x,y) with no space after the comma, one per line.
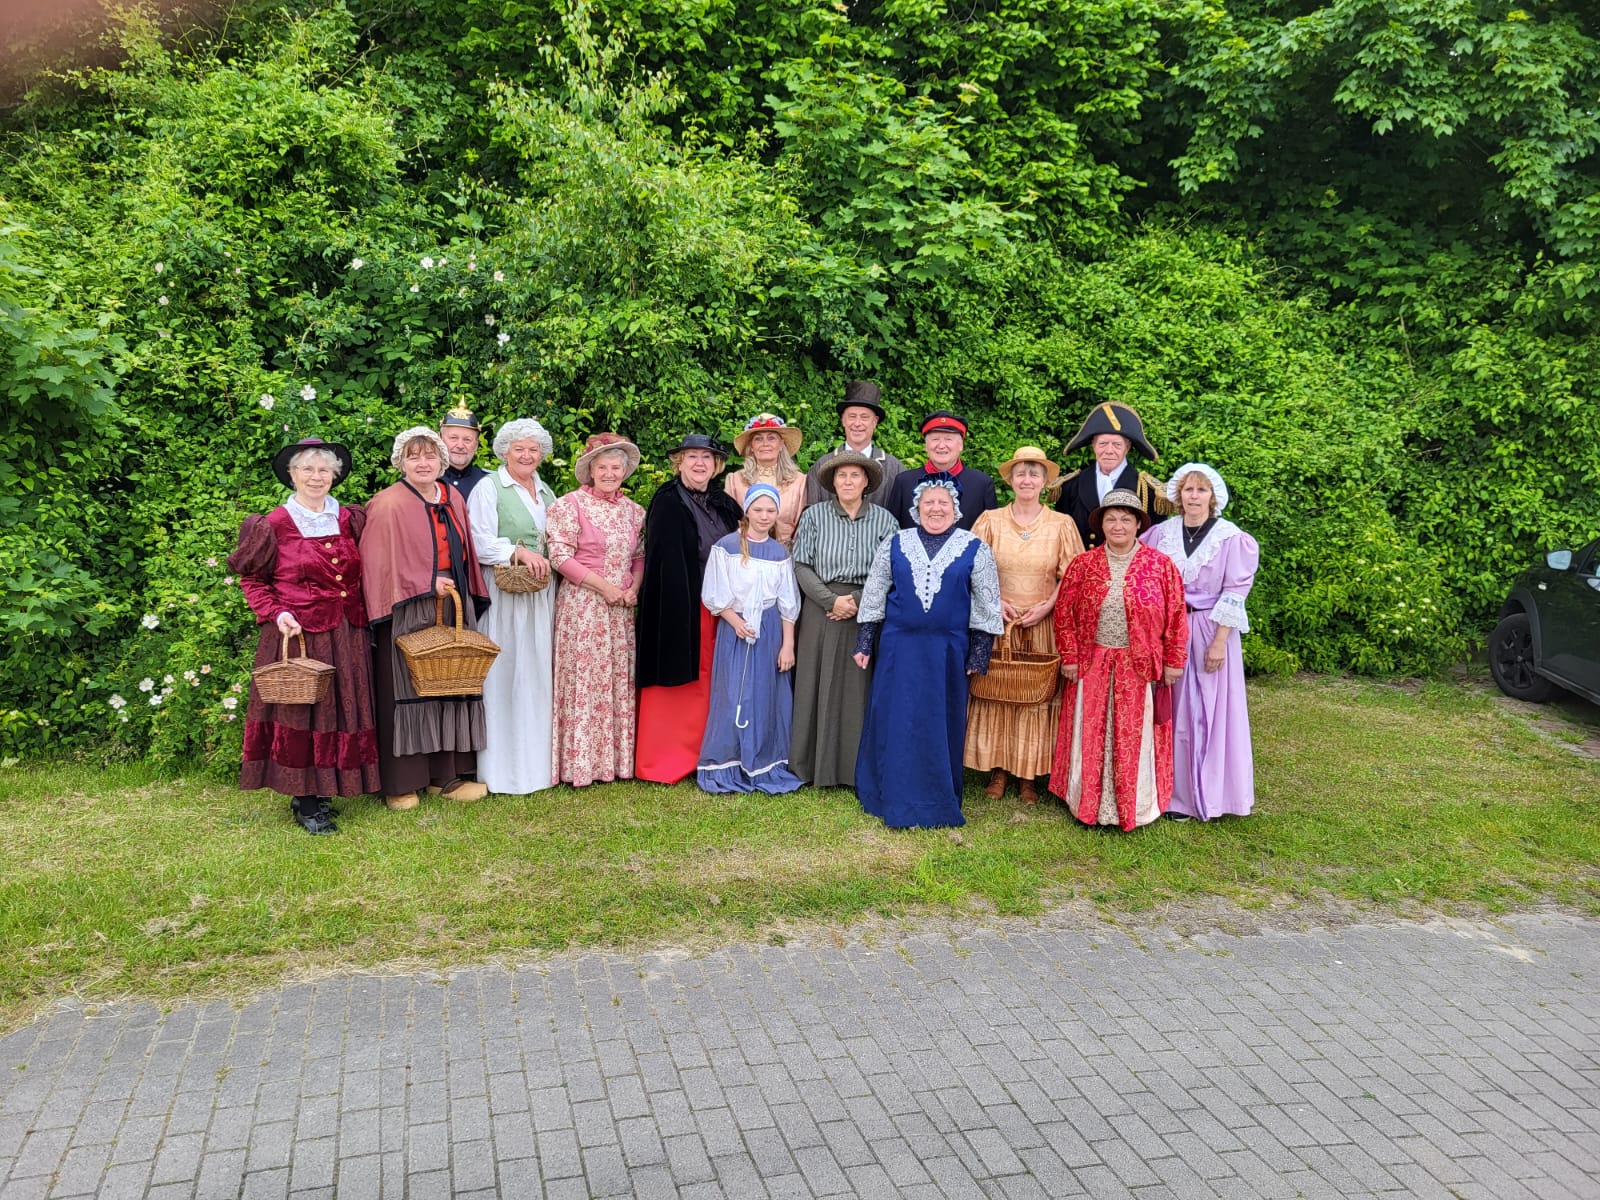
(944,437)
(859,413)
(1110,431)
(459,429)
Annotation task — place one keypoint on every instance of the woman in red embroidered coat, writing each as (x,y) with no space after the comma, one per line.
(1124,640)
(300,568)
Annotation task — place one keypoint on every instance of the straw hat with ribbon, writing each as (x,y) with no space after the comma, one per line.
(597,445)
(1032,454)
(762,422)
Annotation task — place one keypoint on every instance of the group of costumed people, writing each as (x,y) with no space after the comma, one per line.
(783,628)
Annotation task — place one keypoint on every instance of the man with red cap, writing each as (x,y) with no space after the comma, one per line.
(944,436)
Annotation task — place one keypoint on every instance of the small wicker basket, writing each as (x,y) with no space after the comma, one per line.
(518,579)
(446,661)
(1018,677)
(300,680)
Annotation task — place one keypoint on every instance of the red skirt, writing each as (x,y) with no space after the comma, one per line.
(672,720)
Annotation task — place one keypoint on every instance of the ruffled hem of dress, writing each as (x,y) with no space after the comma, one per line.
(774,779)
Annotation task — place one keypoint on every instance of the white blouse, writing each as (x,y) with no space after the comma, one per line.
(749,587)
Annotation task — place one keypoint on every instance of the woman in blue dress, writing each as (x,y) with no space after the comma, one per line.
(930,611)
(749,584)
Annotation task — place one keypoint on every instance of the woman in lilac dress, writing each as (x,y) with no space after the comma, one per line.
(1214,766)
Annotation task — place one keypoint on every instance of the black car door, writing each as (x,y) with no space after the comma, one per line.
(1569,622)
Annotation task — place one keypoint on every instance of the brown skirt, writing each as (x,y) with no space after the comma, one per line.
(830,696)
(1019,738)
(421,743)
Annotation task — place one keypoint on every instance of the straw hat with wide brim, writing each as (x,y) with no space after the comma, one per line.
(1119,498)
(762,422)
(597,445)
(1032,454)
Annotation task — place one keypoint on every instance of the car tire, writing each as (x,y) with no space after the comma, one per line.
(1511,661)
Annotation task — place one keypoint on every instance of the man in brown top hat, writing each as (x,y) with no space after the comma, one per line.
(859,414)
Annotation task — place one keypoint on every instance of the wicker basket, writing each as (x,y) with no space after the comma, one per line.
(518,580)
(446,661)
(300,680)
(1018,677)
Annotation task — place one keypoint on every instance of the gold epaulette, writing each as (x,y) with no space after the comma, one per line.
(1153,495)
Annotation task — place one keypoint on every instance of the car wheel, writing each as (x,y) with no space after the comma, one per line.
(1511,661)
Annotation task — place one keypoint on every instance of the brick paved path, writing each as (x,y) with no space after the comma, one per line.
(1025,1060)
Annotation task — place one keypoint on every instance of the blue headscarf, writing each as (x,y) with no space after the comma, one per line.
(758,490)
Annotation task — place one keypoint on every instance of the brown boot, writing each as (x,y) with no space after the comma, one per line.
(997,784)
(1029,791)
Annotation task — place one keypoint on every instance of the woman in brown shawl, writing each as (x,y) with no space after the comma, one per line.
(417,546)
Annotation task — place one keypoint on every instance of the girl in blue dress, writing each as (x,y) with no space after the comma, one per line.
(749,585)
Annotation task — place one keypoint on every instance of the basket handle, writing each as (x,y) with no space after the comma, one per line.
(455,601)
(1005,642)
(284,653)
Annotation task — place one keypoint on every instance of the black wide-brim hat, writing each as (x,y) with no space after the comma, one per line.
(1111,417)
(859,393)
(280,460)
(701,441)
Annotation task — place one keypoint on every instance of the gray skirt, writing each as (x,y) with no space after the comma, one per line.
(830,695)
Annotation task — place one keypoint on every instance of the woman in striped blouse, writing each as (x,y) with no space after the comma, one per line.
(833,549)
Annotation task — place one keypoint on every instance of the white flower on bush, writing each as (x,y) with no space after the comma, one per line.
(227,716)
(146,684)
(356,264)
(124,716)
(267,401)
(416,287)
(156,699)
(149,620)
(228,579)
(168,679)
(502,338)
(163,301)
(427,264)
(234,687)
(117,702)
(160,267)
(205,668)
(472,264)
(230,702)
(212,561)
(499,276)
(308,393)
(488,318)
(190,676)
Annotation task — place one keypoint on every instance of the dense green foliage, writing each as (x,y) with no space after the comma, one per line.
(1344,252)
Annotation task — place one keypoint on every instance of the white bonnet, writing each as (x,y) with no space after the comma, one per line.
(1218,488)
(416,431)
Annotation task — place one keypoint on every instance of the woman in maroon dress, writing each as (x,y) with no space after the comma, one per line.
(300,568)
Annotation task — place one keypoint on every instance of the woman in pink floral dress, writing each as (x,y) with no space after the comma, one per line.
(593,538)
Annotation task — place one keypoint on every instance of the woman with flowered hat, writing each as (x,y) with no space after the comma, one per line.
(749,586)
(1123,639)
(300,568)
(509,509)
(1032,548)
(768,447)
(1213,764)
(593,536)
(418,551)
(676,634)
(930,612)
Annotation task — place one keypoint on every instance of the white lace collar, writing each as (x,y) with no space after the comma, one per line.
(927,575)
(1171,544)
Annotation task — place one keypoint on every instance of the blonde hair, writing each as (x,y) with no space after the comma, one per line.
(744,534)
(787,468)
(1188,475)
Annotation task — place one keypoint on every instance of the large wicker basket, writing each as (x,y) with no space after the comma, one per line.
(300,680)
(446,661)
(1018,676)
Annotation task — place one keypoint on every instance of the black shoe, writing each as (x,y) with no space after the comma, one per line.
(316,822)
(325,808)
(1178,816)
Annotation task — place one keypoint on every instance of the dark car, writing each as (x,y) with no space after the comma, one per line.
(1549,630)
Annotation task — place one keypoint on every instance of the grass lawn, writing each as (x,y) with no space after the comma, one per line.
(1387,797)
